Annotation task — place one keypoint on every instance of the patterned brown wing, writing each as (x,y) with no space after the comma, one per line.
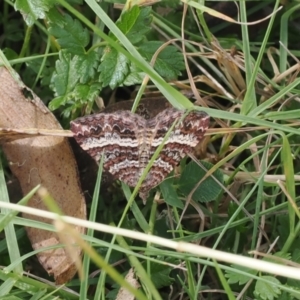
(128,142)
(184,137)
(118,135)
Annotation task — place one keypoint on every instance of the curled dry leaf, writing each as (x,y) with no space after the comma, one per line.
(45,160)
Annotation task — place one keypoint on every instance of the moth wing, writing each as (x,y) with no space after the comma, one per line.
(181,141)
(117,136)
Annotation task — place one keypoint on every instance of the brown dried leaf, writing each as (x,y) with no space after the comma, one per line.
(45,160)
(123,293)
(230,66)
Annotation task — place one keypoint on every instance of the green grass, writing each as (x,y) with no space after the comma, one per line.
(244,243)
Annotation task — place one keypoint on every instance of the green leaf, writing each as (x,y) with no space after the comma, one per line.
(290,281)
(160,275)
(10,54)
(208,190)
(169,62)
(32,10)
(294,294)
(86,92)
(83,95)
(47,71)
(285,296)
(72,81)
(56,102)
(296,255)
(235,277)
(86,66)
(267,291)
(71,35)
(65,76)
(169,193)
(81,91)
(135,23)
(78,97)
(114,68)
(55,17)
(135,76)
(64,79)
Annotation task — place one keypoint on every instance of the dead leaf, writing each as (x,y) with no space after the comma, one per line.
(45,160)
(123,293)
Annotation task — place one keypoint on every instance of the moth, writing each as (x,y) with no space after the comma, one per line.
(128,142)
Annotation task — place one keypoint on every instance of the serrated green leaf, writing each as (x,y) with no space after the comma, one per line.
(65,76)
(135,23)
(64,79)
(71,35)
(285,296)
(293,284)
(56,102)
(114,68)
(81,95)
(135,76)
(267,291)
(208,190)
(95,88)
(169,62)
(169,193)
(81,91)
(32,10)
(86,92)
(235,277)
(55,17)
(294,294)
(160,275)
(86,66)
